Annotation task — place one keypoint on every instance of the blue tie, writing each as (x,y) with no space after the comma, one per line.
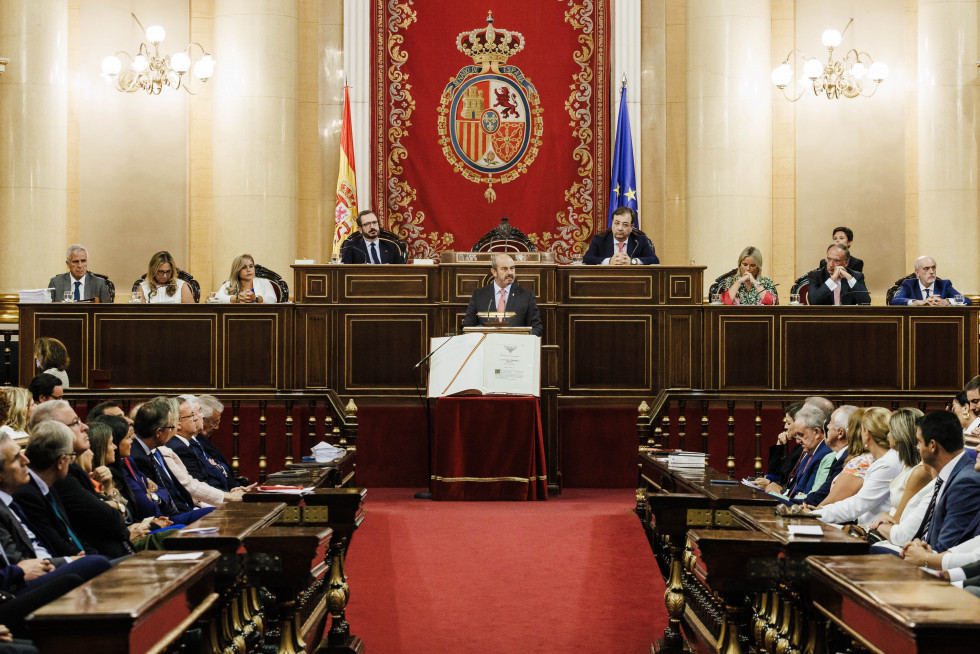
(170,482)
(214,470)
(78,297)
(374,253)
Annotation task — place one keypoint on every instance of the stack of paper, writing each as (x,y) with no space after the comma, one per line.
(35,295)
(685,460)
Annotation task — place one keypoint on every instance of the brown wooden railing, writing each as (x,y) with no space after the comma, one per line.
(657,430)
(322,416)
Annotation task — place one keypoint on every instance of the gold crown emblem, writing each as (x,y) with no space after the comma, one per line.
(490,45)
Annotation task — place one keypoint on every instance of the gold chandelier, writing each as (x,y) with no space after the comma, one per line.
(848,77)
(150,71)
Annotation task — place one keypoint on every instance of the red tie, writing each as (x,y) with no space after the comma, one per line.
(621,246)
(502,302)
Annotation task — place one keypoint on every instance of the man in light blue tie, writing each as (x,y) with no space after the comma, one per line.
(371,247)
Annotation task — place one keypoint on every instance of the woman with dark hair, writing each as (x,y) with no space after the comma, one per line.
(51,356)
(162,285)
(109,455)
(960,405)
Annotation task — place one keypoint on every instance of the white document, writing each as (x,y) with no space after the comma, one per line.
(805,530)
(483,364)
(182,556)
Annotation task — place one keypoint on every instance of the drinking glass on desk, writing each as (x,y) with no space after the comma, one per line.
(716,298)
(958,300)
(212,297)
(335,258)
(576,259)
(794,299)
(69,296)
(136,297)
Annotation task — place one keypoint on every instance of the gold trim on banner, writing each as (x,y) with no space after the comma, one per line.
(586,106)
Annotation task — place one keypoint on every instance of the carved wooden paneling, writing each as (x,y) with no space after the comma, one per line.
(380,351)
(610,352)
(251,351)
(312,345)
(682,350)
(746,346)
(374,286)
(845,351)
(931,338)
(166,350)
(609,289)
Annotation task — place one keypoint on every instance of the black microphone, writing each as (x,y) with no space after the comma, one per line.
(429,355)
(490,305)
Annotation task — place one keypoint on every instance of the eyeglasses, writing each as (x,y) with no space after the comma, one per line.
(168,427)
(74,423)
(71,457)
(186,417)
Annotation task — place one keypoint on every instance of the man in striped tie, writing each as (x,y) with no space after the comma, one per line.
(503,295)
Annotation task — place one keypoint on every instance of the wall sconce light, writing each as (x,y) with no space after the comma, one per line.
(3,64)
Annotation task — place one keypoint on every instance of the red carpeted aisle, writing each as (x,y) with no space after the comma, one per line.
(573,574)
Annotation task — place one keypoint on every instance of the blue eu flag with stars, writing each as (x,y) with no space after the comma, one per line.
(622,185)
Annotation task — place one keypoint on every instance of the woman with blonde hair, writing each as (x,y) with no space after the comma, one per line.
(161,285)
(874,496)
(243,287)
(51,356)
(747,286)
(19,413)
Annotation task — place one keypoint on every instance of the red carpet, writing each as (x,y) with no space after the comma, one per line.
(573,574)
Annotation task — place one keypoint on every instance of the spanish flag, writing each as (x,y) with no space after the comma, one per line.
(346,210)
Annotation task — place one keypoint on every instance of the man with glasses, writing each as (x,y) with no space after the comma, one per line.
(223,476)
(371,248)
(200,491)
(46,387)
(837,284)
(99,525)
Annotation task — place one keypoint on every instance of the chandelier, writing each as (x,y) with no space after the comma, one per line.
(849,77)
(151,72)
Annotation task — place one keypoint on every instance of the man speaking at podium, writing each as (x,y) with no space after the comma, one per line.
(504,295)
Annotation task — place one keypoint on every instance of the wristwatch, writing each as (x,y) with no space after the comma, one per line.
(633,262)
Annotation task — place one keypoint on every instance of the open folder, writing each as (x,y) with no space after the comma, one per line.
(482,364)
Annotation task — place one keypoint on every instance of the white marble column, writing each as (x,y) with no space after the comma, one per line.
(255,155)
(729,131)
(34,142)
(626,61)
(947,143)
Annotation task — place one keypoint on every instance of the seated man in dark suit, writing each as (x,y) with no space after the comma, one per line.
(82,284)
(837,284)
(504,295)
(25,561)
(371,249)
(953,515)
(100,527)
(46,387)
(836,440)
(844,236)
(220,472)
(618,246)
(926,288)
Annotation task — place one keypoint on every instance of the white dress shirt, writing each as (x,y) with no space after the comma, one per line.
(872,499)
(605,262)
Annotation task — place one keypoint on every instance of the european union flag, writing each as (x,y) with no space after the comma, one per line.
(622,185)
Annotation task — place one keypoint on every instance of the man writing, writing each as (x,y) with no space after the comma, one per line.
(371,248)
(619,246)
(926,289)
(504,295)
(837,284)
(82,284)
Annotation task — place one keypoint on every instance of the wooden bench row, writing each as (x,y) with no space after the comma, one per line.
(738,580)
(268,574)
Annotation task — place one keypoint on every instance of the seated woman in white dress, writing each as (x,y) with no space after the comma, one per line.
(161,284)
(243,286)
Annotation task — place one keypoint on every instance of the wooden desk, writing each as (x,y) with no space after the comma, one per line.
(234,521)
(890,606)
(787,347)
(167,348)
(140,605)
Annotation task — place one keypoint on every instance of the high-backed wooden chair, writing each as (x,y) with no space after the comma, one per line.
(383,234)
(108,284)
(802,286)
(181,274)
(718,280)
(278,283)
(504,238)
(894,289)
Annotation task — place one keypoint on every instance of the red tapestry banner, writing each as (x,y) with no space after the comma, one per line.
(490,109)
